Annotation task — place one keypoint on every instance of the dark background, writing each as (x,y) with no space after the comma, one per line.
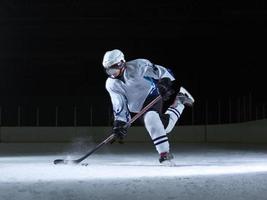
(51,57)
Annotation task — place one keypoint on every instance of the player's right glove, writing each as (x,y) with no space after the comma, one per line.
(119,129)
(164,88)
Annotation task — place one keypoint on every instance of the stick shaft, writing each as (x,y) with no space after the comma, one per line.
(112,136)
(145,109)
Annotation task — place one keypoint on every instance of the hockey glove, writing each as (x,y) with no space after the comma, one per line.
(120,130)
(164,88)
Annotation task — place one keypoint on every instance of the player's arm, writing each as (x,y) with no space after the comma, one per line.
(155,71)
(162,74)
(121,113)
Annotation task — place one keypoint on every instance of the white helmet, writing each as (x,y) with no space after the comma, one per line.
(112,57)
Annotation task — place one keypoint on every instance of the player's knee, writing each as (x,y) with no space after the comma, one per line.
(150,117)
(154,125)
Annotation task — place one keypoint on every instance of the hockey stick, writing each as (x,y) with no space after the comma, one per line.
(107,140)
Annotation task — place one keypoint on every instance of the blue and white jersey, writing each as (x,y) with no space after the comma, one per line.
(129,92)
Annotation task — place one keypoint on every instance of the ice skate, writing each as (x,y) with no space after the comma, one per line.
(183,97)
(166,159)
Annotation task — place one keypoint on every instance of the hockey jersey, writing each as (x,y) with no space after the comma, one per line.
(129,92)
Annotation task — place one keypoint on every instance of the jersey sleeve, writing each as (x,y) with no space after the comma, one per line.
(119,103)
(155,71)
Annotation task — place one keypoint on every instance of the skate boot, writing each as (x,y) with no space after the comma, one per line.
(183,97)
(165,158)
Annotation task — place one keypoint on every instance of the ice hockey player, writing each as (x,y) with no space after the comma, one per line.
(134,84)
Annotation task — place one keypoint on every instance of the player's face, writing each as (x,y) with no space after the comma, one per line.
(115,70)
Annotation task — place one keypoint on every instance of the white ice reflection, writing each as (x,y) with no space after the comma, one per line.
(28,169)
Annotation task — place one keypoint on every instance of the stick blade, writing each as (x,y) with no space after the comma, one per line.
(60,161)
(65,162)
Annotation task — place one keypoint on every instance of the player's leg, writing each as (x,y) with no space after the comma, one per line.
(174,112)
(158,135)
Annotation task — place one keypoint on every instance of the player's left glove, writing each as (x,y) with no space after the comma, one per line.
(120,129)
(164,88)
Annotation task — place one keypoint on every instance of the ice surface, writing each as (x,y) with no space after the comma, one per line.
(134,173)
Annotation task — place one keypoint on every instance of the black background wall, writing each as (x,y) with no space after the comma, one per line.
(51,54)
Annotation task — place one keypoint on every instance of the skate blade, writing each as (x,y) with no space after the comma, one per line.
(184,91)
(168,163)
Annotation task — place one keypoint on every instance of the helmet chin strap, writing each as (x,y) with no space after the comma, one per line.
(120,72)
